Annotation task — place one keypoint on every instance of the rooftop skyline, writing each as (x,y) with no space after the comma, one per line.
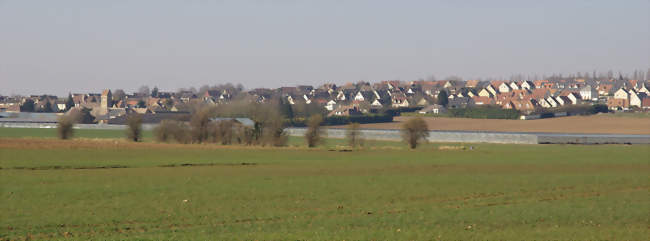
(75,46)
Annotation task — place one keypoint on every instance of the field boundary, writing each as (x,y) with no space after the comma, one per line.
(434,136)
(491,137)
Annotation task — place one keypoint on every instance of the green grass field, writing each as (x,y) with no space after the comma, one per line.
(110,189)
(80,133)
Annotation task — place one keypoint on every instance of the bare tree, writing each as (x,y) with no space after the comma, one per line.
(134,130)
(273,133)
(313,134)
(354,135)
(66,123)
(222,132)
(245,135)
(118,95)
(199,124)
(144,90)
(269,123)
(204,88)
(414,130)
(171,129)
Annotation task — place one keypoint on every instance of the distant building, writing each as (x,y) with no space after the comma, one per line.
(435,109)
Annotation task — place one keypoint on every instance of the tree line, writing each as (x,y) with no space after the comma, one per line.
(268,131)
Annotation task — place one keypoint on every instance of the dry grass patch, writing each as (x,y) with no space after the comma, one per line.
(596,124)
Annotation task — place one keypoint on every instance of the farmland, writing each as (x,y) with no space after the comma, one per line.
(638,123)
(51,133)
(112,189)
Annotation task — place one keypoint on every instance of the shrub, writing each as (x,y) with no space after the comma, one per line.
(313,130)
(274,136)
(65,125)
(84,116)
(221,131)
(269,127)
(134,127)
(344,120)
(443,98)
(354,135)
(169,130)
(599,108)
(583,109)
(200,124)
(213,133)
(414,130)
(245,135)
(485,112)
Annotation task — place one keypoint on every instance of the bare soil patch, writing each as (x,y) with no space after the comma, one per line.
(597,124)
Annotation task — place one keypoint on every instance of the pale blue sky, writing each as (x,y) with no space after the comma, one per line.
(60,46)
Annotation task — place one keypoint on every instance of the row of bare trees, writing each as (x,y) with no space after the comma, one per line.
(414,132)
(267,131)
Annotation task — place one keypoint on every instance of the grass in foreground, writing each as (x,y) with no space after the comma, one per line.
(107,189)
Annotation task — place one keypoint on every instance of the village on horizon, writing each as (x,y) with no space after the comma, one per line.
(426,97)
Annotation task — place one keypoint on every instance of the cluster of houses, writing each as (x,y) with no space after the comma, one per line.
(363,97)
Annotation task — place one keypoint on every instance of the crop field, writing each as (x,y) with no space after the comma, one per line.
(112,189)
(623,123)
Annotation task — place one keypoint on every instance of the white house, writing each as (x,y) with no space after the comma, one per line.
(492,90)
(359,97)
(552,102)
(290,100)
(544,103)
(399,100)
(527,85)
(621,94)
(504,88)
(513,85)
(635,99)
(60,106)
(485,93)
(588,93)
(330,105)
(435,109)
(563,100)
(643,89)
(575,98)
(340,96)
(376,103)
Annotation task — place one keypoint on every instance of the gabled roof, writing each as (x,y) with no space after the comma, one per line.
(398,96)
(483,100)
(212,93)
(645,102)
(471,83)
(540,93)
